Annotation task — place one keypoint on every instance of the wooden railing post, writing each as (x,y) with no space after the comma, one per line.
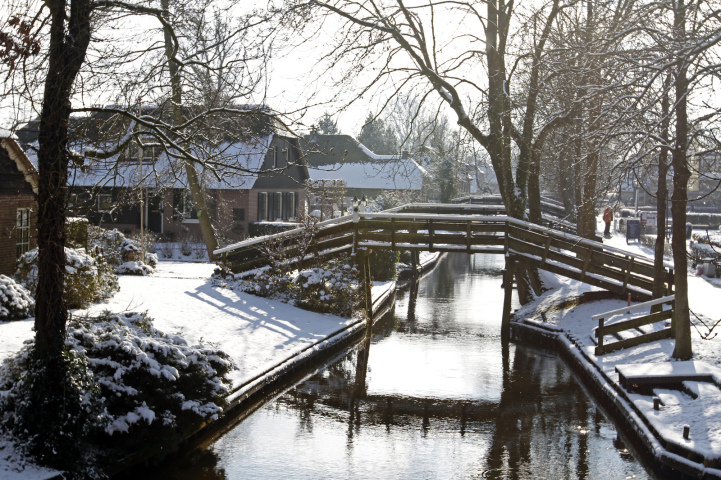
(599,335)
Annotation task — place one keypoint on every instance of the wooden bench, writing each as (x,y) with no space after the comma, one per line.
(666,374)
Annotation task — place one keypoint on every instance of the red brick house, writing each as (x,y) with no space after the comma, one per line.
(18,205)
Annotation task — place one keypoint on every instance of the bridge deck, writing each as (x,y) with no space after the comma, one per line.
(409,229)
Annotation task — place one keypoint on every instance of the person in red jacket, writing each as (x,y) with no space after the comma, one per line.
(607,217)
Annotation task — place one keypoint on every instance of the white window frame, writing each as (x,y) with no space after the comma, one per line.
(22,225)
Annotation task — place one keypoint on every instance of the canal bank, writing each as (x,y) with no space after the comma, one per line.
(562,321)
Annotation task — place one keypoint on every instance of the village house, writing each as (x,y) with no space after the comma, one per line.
(18,204)
(255,178)
(341,168)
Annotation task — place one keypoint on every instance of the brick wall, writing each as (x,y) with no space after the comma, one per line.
(8,234)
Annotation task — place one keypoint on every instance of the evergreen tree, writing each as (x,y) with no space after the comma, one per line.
(378,137)
(327,126)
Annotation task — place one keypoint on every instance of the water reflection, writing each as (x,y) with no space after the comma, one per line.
(433,394)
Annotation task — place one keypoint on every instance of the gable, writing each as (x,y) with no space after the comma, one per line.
(17,176)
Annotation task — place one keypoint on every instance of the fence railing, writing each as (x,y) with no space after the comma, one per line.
(604,330)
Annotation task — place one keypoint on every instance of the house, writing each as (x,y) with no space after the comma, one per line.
(342,168)
(18,204)
(253,177)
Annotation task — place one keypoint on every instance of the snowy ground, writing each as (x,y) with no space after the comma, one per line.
(679,408)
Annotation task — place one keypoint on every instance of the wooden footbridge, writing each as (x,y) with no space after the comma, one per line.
(457,228)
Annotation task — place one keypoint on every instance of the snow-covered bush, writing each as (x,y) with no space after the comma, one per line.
(120,251)
(16,302)
(108,241)
(136,387)
(87,278)
(332,288)
(151,259)
(133,268)
(328,290)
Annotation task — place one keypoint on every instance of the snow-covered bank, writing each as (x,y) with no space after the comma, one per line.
(265,338)
(690,403)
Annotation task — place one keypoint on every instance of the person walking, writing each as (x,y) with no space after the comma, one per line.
(607,217)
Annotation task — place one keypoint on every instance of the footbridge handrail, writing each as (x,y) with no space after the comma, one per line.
(538,246)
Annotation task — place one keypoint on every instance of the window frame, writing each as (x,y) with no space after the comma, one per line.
(22,227)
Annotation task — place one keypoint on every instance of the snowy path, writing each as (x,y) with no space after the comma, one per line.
(256,332)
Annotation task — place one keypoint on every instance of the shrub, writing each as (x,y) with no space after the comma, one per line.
(328,290)
(383,265)
(135,388)
(87,279)
(167,249)
(116,249)
(108,241)
(16,302)
(134,268)
(186,244)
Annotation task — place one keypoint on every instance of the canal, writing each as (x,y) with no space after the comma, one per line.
(432,395)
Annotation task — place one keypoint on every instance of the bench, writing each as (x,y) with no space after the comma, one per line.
(666,374)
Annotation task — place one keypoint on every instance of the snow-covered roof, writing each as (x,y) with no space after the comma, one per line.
(233,165)
(398,175)
(341,157)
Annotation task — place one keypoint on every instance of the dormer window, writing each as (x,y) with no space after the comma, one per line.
(145,154)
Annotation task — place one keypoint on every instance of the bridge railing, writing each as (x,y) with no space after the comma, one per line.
(559,252)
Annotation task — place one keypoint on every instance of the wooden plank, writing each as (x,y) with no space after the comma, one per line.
(599,257)
(468,235)
(585,262)
(393,233)
(636,322)
(640,294)
(430,235)
(640,340)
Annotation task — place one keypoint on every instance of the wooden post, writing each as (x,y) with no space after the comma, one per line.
(599,335)
(364,264)
(508,291)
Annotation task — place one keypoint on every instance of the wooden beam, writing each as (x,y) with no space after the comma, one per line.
(507,294)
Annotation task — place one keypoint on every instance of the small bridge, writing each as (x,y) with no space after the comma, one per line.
(458,228)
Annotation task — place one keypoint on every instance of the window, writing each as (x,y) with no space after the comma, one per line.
(275,206)
(148,154)
(262,206)
(184,207)
(286,154)
(273,157)
(239,214)
(105,202)
(23,231)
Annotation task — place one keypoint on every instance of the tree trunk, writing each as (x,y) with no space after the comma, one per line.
(53,405)
(681,175)
(65,59)
(211,243)
(659,272)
